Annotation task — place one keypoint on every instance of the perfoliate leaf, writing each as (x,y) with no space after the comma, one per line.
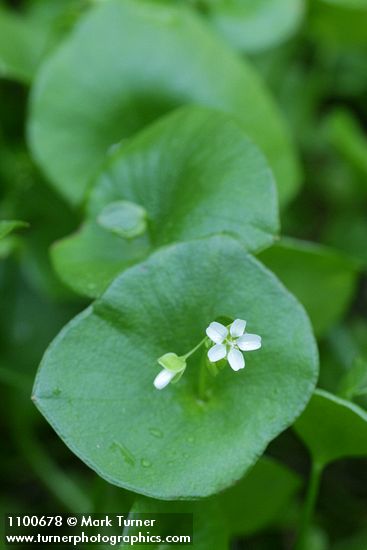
(95,383)
(195,174)
(70,135)
(255,26)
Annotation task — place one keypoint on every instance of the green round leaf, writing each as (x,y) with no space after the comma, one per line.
(332,428)
(92,93)
(123,218)
(95,383)
(254,26)
(195,174)
(322,279)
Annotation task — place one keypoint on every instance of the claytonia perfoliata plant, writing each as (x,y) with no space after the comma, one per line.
(229,342)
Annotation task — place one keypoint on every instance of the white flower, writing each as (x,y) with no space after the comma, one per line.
(228,343)
(173,367)
(163,378)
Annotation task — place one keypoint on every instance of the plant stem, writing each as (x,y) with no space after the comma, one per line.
(191,352)
(309,506)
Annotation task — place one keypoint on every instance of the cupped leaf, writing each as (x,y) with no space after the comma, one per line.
(187,64)
(95,383)
(322,279)
(192,174)
(255,26)
(332,428)
(260,498)
(209,528)
(8,226)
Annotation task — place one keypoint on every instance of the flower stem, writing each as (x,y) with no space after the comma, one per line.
(191,352)
(309,506)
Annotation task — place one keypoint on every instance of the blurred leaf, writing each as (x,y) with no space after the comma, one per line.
(258,500)
(347,137)
(195,174)
(254,26)
(100,370)
(357,541)
(337,26)
(349,4)
(7,226)
(21,46)
(90,259)
(209,527)
(321,278)
(332,428)
(354,383)
(71,136)
(348,232)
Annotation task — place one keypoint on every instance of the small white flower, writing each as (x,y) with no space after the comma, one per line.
(173,367)
(230,343)
(163,378)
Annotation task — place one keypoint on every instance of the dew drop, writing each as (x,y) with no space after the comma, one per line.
(145,463)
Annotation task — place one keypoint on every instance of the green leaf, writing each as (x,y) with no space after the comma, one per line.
(354,382)
(70,135)
(95,383)
(321,278)
(259,499)
(8,226)
(123,218)
(21,46)
(332,428)
(209,526)
(347,232)
(255,26)
(195,174)
(348,138)
(91,258)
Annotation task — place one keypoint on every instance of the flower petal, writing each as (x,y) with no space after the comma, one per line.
(163,379)
(217,352)
(216,332)
(236,359)
(237,328)
(249,342)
